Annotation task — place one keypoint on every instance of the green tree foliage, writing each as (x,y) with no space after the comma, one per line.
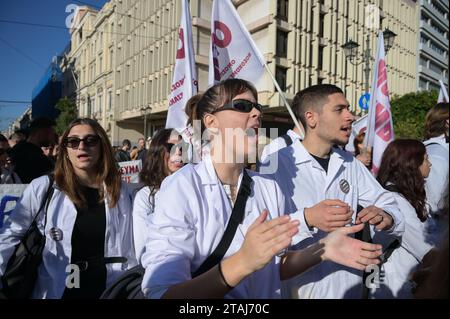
(68,113)
(409,111)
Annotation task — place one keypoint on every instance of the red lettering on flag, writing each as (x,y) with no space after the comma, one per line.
(382,78)
(180,53)
(226,34)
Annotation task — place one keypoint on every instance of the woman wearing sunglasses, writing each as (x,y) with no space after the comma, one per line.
(163,159)
(193,208)
(88,226)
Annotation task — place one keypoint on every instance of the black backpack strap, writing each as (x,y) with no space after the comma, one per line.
(389,250)
(364,235)
(287,139)
(45,201)
(237,216)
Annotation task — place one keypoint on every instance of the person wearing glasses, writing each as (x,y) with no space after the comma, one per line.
(163,159)
(194,205)
(88,222)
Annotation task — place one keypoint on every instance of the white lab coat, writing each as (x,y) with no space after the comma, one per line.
(305,183)
(191,214)
(61,214)
(143,208)
(404,259)
(277,144)
(436,187)
(436,182)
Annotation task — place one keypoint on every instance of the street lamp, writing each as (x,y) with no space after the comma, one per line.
(351,51)
(145,109)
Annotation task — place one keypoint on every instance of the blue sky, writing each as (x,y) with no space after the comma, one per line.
(26,50)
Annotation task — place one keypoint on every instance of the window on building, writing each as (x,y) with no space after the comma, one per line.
(423,84)
(437,49)
(423,62)
(100,62)
(433,87)
(321,24)
(111,58)
(100,105)
(435,68)
(438,29)
(435,5)
(320,80)
(109,100)
(320,58)
(282,40)
(280,76)
(92,106)
(282,9)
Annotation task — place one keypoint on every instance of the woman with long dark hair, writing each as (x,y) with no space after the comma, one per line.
(404,167)
(163,159)
(87,225)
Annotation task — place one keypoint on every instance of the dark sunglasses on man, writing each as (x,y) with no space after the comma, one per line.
(243,106)
(74,141)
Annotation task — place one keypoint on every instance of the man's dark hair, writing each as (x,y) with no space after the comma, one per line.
(313,97)
(126,142)
(41,123)
(3,138)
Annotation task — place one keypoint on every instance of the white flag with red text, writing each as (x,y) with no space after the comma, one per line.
(380,129)
(233,54)
(184,82)
(443,95)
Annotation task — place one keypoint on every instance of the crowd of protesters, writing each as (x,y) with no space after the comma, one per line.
(309,229)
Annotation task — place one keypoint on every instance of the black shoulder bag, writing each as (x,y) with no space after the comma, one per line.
(21,272)
(128,285)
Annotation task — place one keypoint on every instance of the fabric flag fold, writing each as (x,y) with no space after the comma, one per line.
(380,129)
(233,54)
(443,95)
(184,82)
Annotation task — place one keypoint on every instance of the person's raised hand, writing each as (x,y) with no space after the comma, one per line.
(340,248)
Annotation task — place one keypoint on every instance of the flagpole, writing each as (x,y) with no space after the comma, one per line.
(297,124)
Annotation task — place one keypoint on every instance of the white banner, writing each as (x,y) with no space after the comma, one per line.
(233,54)
(130,171)
(184,82)
(9,196)
(443,95)
(380,130)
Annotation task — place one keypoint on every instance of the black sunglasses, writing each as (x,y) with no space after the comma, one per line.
(180,145)
(74,141)
(243,106)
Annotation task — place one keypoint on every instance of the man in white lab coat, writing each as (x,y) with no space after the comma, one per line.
(326,185)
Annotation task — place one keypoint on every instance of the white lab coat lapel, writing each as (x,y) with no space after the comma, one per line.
(334,169)
(214,192)
(218,196)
